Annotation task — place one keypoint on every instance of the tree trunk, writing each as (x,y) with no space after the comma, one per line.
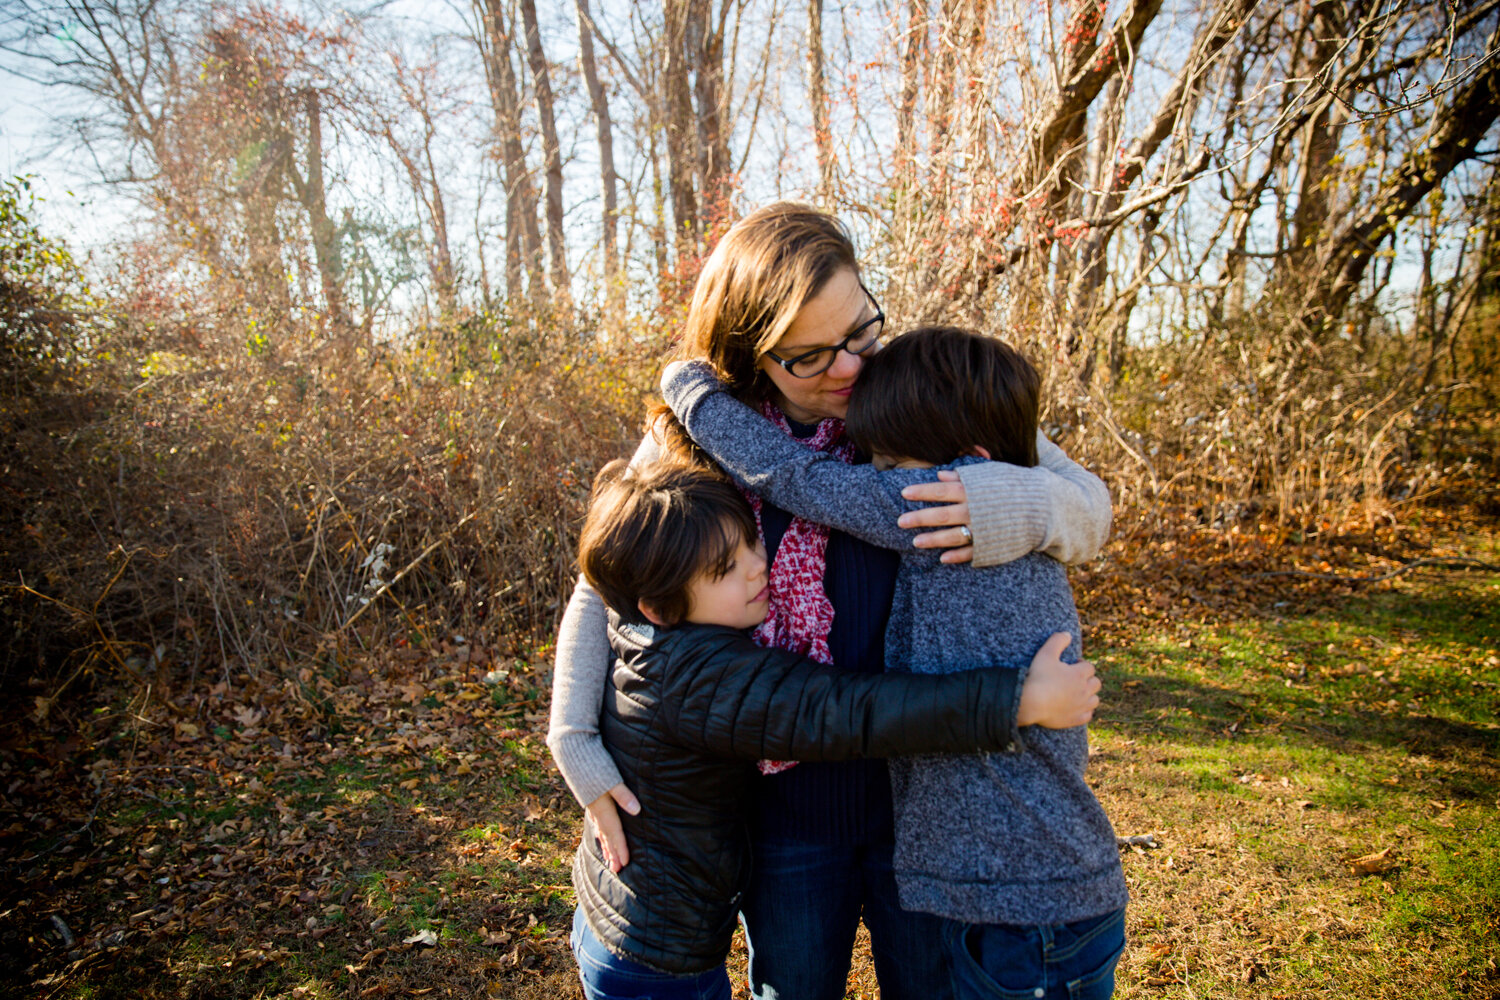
(324,233)
(706,43)
(442,262)
(614,289)
(1453,137)
(1319,147)
(659,196)
(1088,65)
(681,129)
(913,47)
(942,90)
(1110,178)
(817,93)
(551,151)
(523,237)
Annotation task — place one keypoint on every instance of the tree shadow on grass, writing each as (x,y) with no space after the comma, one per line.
(1301,673)
(1157,706)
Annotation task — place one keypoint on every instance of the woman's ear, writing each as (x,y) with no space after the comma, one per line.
(651,616)
(979,451)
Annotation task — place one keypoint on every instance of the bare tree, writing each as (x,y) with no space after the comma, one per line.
(817,95)
(645,79)
(416,156)
(313,194)
(614,288)
(913,45)
(523,236)
(1456,127)
(221,122)
(705,42)
(681,126)
(541,88)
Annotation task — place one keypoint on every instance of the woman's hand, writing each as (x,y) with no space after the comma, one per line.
(1057,695)
(606,819)
(948,492)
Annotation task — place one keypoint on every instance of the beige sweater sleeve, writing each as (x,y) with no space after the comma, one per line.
(1057,507)
(580,675)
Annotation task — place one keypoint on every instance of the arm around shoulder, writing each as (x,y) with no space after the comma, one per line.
(1057,507)
(579,676)
(735,699)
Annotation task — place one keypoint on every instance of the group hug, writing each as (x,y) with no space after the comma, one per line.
(822,664)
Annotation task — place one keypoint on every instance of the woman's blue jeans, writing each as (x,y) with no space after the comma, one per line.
(1064,962)
(607,976)
(802,910)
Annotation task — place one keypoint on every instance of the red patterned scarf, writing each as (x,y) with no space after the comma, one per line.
(800,615)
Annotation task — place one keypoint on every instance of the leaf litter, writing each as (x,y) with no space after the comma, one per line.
(273,828)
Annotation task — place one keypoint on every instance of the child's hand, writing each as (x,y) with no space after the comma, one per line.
(1058,695)
(604,811)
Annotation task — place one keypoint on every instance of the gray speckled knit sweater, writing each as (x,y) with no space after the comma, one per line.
(984,838)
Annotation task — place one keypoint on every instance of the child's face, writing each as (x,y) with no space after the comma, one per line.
(883,462)
(738,598)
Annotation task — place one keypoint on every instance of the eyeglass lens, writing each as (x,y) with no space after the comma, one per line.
(819,361)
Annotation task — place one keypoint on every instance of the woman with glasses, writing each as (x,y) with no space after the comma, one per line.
(780,311)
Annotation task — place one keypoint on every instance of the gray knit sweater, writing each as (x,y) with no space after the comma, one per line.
(982,838)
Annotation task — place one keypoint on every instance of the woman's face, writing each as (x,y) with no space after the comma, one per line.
(827,319)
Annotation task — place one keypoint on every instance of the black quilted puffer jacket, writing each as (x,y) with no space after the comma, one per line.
(690,711)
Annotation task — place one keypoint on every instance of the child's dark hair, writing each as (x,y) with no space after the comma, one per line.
(935,393)
(650,531)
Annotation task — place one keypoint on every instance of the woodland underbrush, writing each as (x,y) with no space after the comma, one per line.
(1314,433)
(181,505)
(173,511)
(198,488)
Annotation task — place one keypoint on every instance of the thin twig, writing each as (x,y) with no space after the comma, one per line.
(409,567)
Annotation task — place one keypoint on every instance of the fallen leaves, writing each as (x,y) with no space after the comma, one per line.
(424,938)
(492,939)
(1374,864)
(248,816)
(1139,843)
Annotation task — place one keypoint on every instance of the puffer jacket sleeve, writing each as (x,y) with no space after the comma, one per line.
(727,696)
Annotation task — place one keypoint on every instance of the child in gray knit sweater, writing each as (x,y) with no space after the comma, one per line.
(1012,850)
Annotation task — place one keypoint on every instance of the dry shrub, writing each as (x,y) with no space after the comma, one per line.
(198,503)
(1256,422)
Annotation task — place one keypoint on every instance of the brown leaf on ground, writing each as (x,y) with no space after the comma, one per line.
(1374,864)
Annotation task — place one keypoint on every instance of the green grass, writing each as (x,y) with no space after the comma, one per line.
(1268,753)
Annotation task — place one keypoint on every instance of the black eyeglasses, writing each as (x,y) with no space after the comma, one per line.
(820,359)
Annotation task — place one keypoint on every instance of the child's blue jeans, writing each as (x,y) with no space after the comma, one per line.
(1062,962)
(607,976)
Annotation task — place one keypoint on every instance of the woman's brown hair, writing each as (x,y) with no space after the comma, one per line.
(764,270)
(937,392)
